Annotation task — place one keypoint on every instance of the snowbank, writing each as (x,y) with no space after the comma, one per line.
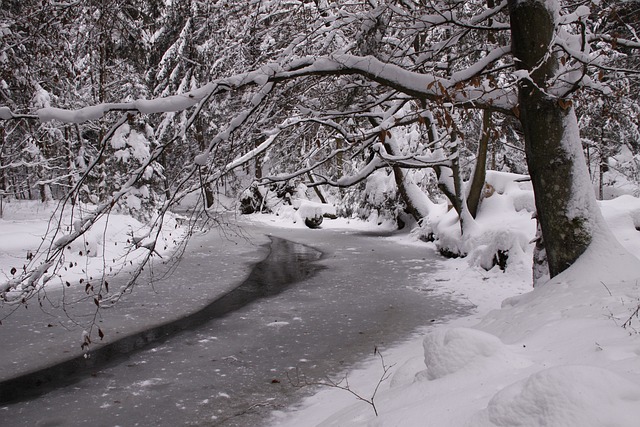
(565,396)
(114,243)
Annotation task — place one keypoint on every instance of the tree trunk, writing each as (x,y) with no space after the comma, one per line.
(417,203)
(480,171)
(565,201)
(317,189)
(207,191)
(339,158)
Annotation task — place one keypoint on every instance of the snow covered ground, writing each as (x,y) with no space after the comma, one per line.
(564,354)
(115,244)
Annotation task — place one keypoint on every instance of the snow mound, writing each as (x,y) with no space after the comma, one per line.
(308,209)
(502,230)
(294,215)
(447,351)
(567,396)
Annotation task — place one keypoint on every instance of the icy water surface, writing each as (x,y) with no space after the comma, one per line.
(286,264)
(231,371)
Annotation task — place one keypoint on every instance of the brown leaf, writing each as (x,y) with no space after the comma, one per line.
(565,104)
(443,90)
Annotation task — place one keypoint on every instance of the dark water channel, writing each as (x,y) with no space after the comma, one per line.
(227,364)
(286,264)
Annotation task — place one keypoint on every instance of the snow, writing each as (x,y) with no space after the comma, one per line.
(563,396)
(71,116)
(564,354)
(105,248)
(5,113)
(309,210)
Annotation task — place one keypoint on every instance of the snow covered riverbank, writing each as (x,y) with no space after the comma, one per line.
(566,354)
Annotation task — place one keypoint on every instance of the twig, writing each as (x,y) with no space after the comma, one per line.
(605,286)
(636,314)
(300,381)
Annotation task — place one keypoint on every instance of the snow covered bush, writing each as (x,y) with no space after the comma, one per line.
(503,227)
(375,200)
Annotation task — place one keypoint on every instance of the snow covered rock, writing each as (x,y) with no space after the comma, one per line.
(450,350)
(312,213)
(580,396)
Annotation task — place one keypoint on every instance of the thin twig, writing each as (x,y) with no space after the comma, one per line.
(300,381)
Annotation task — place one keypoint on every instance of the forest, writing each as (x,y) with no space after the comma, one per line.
(130,105)
(502,134)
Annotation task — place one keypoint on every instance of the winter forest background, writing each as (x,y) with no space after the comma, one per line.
(381,107)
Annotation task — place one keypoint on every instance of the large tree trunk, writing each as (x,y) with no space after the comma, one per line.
(565,200)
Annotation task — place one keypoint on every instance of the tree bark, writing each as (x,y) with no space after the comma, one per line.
(566,207)
(480,171)
(417,203)
(317,189)
(207,191)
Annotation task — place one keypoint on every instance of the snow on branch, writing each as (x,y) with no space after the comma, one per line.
(305,170)
(380,160)
(451,17)
(412,161)
(418,85)
(422,86)
(615,41)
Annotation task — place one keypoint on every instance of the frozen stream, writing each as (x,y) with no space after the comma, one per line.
(364,292)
